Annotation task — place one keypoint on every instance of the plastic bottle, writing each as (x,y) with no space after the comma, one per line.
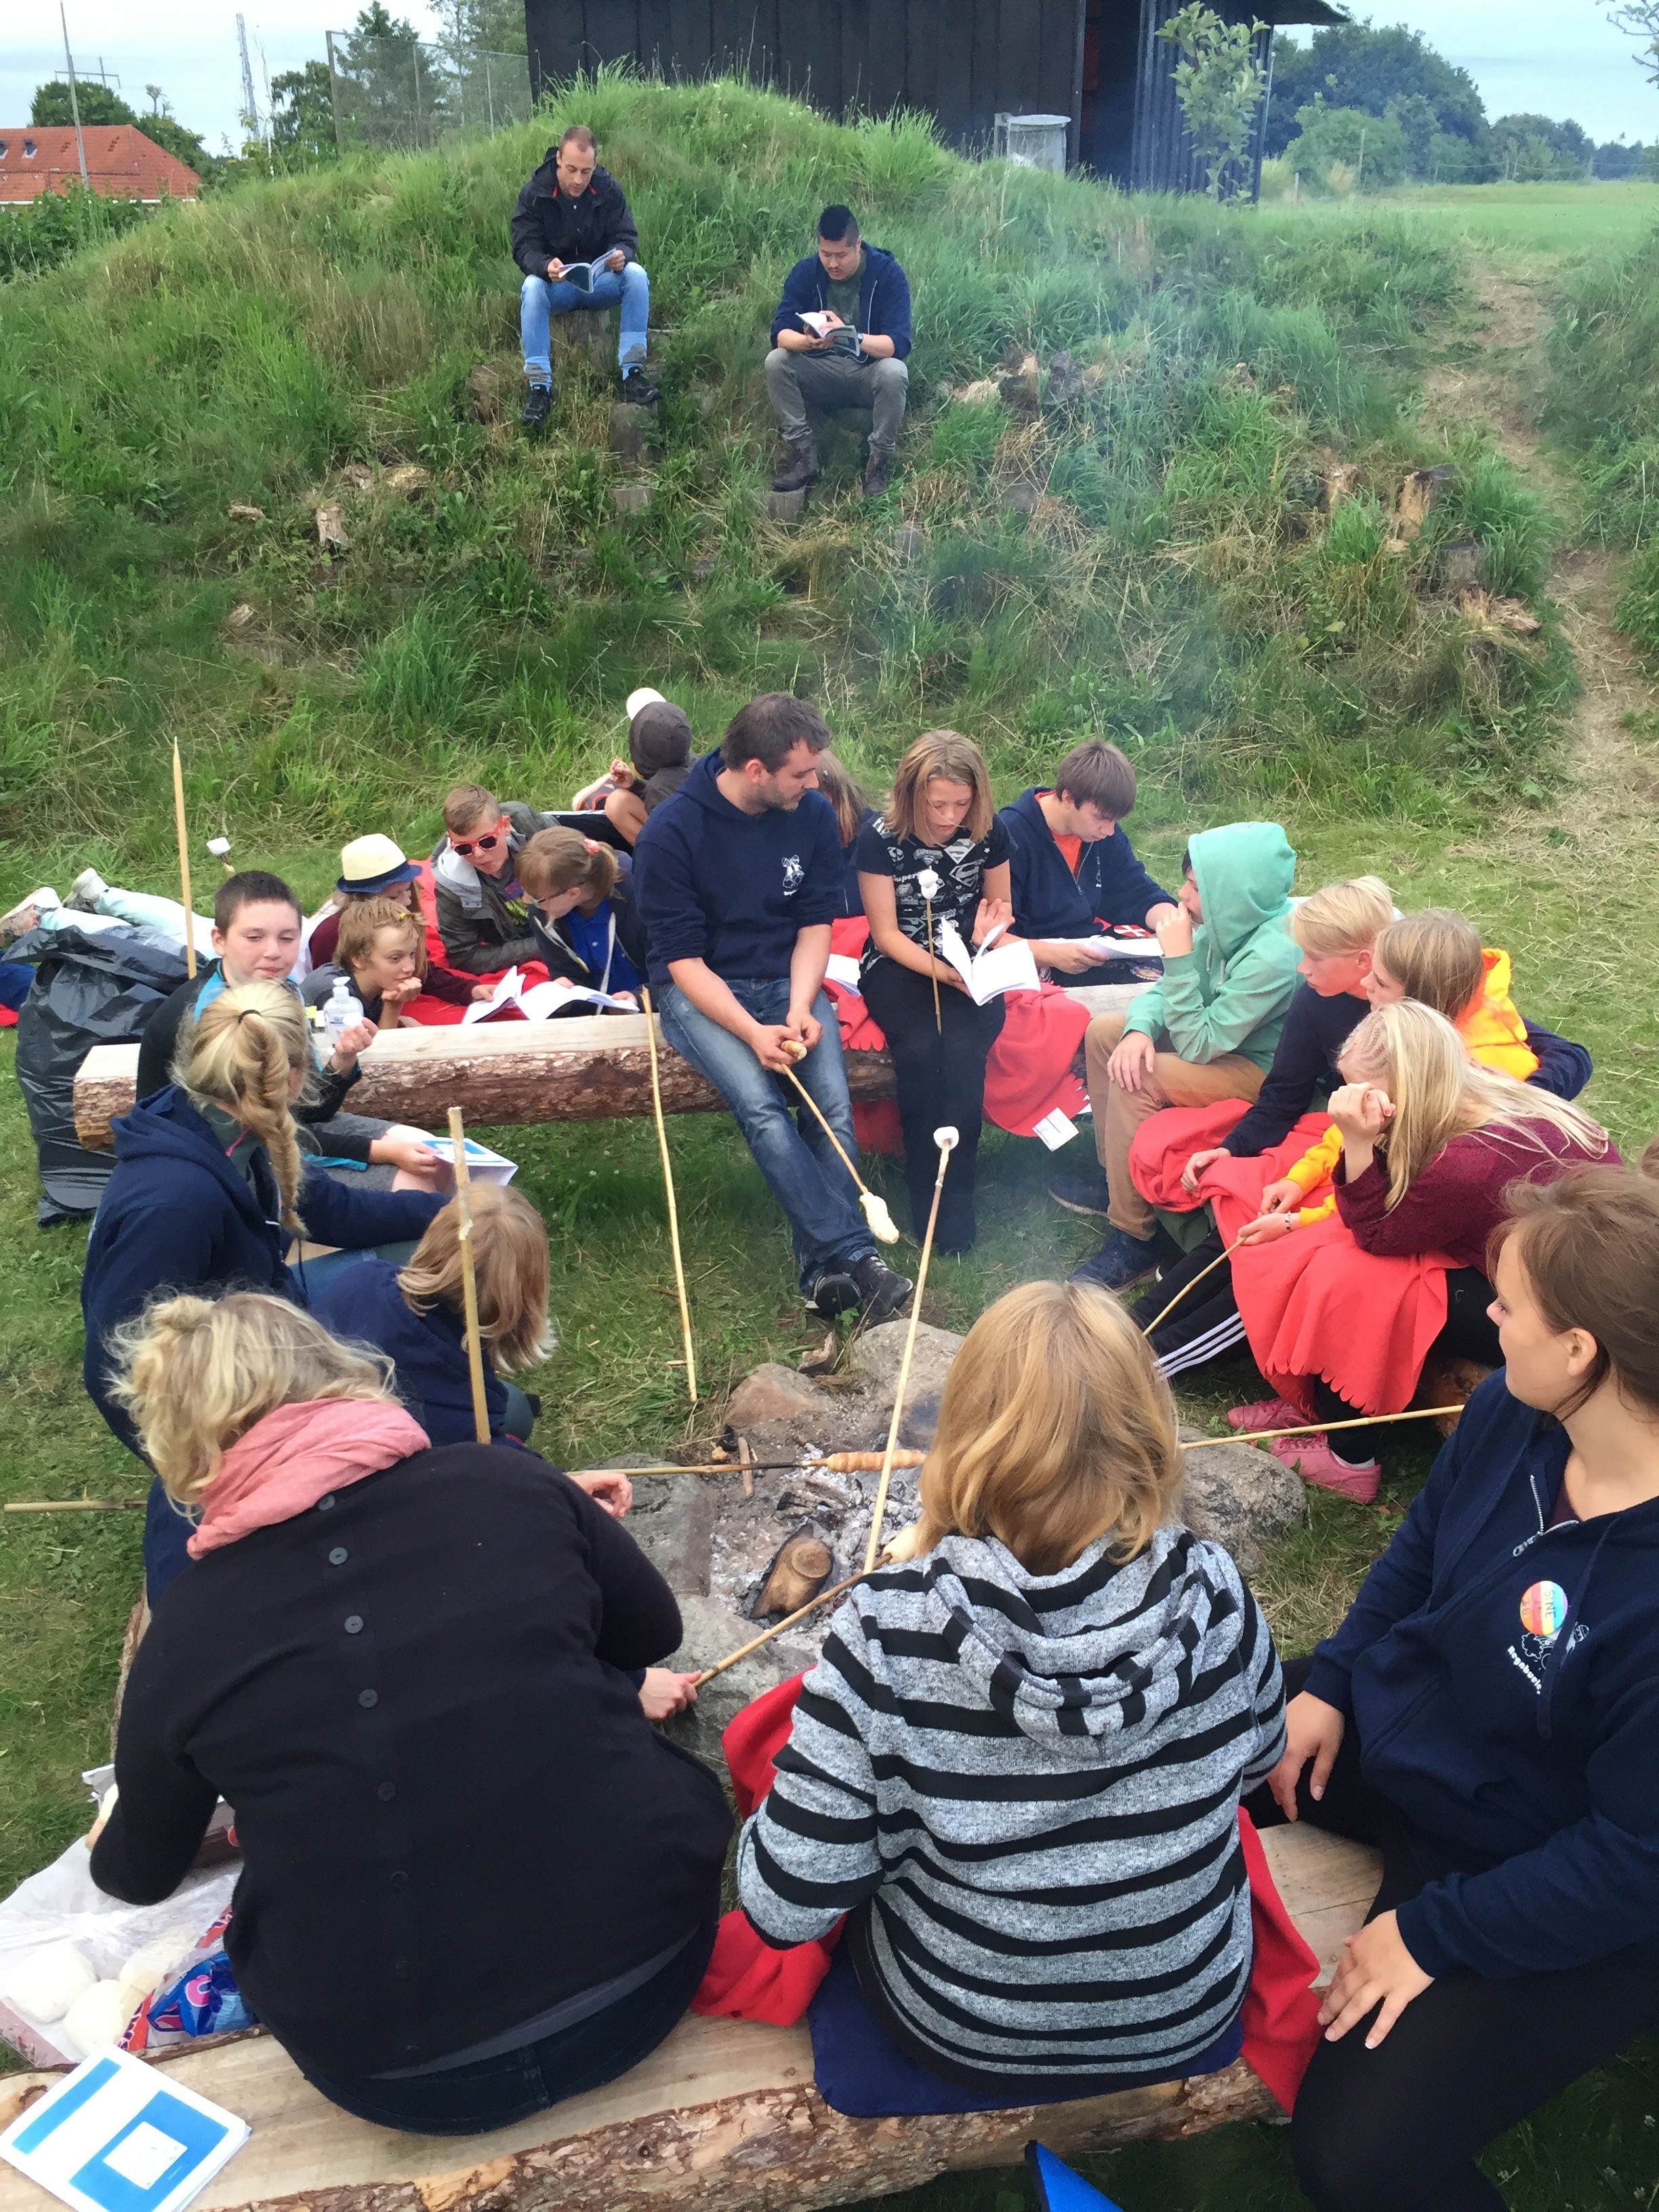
(341,1012)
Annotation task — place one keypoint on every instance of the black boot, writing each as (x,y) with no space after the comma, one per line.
(537,407)
(801,469)
(638,391)
(878,473)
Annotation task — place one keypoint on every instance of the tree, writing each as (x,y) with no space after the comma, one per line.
(302,116)
(1371,149)
(1639,19)
(1351,66)
(1528,149)
(391,94)
(98,104)
(473,28)
(1220,84)
(1616,160)
(1416,117)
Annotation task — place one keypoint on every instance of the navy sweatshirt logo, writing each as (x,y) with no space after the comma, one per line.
(794,874)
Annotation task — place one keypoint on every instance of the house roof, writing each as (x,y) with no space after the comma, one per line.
(1282,13)
(121,163)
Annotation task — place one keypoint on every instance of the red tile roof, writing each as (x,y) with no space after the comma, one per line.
(121,164)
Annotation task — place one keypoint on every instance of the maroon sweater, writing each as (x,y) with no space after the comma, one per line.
(1457,1201)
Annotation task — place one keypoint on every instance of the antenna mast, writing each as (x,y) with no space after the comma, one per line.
(75,103)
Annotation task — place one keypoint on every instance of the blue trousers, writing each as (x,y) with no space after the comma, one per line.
(539,301)
(819,1200)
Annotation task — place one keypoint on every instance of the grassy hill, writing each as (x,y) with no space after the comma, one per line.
(1178,586)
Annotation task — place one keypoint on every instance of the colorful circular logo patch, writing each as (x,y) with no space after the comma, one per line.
(1544,1609)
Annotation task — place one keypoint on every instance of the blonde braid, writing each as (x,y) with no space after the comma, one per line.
(245,1045)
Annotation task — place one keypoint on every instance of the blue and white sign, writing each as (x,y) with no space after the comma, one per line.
(118,2135)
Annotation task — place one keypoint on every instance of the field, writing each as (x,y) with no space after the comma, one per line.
(1178,588)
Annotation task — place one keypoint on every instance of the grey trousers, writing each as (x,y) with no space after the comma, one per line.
(793,378)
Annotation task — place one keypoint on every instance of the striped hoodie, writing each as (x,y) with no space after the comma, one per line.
(1034,1782)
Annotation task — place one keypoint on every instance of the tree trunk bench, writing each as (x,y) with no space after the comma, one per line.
(723,2117)
(587,1068)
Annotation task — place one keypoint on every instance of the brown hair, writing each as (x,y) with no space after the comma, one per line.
(250,887)
(939,757)
(1343,917)
(1589,1243)
(238,1055)
(840,787)
(577,135)
(1096,773)
(1438,958)
(509,1257)
(196,1374)
(1649,1163)
(562,859)
(468,805)
(769,728)
(1056,1429)
(361,922)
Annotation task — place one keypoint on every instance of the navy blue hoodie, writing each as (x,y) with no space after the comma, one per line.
(177,1214)
(1110,885)
(883,298)
(713,884)
(1504,1676)
(434,1378)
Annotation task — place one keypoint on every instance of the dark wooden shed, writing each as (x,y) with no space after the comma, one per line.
(1098,62)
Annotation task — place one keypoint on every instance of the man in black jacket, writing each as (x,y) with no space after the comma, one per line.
(571,216)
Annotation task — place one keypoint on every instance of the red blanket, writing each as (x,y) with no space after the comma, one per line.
(1313,1304)
(747,1979)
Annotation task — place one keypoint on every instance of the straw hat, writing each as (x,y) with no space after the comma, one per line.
(373,864)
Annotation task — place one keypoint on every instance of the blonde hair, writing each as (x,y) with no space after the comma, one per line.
(1343,917)
(509,1258)
(238,1055)
(1056,1429)
(1436,957)
(1439,1092)
(562,859)
(196,1374)
(939,757)
(840,787)
(361,922)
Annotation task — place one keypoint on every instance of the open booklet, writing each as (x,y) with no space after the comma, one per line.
(994,969)
(540,1002)
(842,338)
(1119,948)
(583,275)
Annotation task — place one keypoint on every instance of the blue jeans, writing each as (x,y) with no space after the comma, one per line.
(540,301)
(819,1197)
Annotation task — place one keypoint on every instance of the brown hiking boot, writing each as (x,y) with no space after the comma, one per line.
(878,473)
(801,469)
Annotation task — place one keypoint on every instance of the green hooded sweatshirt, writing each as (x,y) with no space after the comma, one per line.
(1230,992)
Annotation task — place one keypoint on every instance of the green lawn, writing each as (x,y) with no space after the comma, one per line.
(1564,220)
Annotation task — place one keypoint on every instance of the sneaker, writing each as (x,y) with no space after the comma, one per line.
(537,407)
(1314,1462)
(835,1292)
(637,389)
(1268,1413)
(1081,1193)
(881,1292)
(1123,1260)
(801,469)
(86,890)
(878,474)
(27,912)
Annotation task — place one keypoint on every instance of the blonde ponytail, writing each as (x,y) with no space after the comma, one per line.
(240,1053)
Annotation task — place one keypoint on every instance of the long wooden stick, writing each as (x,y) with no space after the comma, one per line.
(673,1211)
(873,1205)
(788,1621)
(183,860)
(1318,1428)
(1185,1287)
(946,1140)
(469,1277)
(938,1022)
(75,1505)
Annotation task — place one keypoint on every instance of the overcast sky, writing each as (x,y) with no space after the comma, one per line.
(1555,58)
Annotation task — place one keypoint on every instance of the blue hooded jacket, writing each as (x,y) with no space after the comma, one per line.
(735,890)
(434,1378)
(1110,885)
(178,1215)
(1504,1676)
(883,298)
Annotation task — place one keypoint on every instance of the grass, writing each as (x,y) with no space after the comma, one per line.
(1179,587)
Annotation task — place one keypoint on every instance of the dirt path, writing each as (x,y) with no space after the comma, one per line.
(1608,816)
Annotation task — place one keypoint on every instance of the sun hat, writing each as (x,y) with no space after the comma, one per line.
(373,864)
(645,696)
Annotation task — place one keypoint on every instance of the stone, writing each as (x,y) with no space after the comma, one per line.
(710,1632)
(408,476)
(1065,382)
(1018,383)
(1419,493)
(358,475)
(874,1361)
(1021,498)
(241,617)
(784,506)
(703,569)
(1239,1497)
(630,428)
(484,382)
(909,543)
(631,498)
(771,1393)
(330,528)
(241,511)
(1341,482)
(673,1522)
(1459,564)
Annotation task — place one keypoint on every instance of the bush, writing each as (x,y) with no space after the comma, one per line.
(1373,148)
(60,224)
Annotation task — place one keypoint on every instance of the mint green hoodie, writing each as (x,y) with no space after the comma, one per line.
(1230,992)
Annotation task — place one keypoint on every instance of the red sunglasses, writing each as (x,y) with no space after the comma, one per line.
(466,848)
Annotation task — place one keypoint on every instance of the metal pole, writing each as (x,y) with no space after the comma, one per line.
(75,104)
(334,95)
(490,95)
(416,50)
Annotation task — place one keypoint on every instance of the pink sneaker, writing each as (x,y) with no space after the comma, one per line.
(1268,1413)
(1314,1462)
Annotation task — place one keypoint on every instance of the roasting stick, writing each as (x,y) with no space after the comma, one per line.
(469,1277)
(184,861)
(1185,1287)
(881,1222)
(947,1140)
(1321,1428)
(778,1627)
(673,1211)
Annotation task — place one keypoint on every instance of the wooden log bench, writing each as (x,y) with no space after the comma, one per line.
(591,1068)
(723,2117)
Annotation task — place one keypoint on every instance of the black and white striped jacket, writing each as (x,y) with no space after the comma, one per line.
(1035,1778)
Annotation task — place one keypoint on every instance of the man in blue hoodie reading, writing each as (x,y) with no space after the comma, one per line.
(1073,872)
(839,339)
(738,878)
